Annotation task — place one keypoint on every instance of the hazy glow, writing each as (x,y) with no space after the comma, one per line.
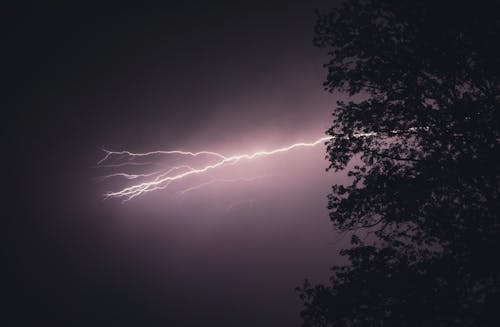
(218,180)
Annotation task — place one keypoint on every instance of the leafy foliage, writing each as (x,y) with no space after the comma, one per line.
(420,139)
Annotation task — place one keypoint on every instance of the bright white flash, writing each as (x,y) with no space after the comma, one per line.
(161,179)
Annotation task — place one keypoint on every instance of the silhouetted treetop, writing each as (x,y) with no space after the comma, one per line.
(419,137)
(426,81)
(387,46)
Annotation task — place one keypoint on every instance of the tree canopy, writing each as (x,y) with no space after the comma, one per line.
(420,138)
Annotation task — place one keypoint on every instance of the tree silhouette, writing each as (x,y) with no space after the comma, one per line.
(420,140)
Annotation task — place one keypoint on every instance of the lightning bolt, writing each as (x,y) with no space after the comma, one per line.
(158,180)
(135,176)
(163,179)
(132,155)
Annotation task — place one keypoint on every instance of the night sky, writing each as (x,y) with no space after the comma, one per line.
(197,76)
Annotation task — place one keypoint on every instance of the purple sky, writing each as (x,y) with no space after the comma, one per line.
(223,78)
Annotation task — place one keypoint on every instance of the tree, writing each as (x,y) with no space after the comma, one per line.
(420,140)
